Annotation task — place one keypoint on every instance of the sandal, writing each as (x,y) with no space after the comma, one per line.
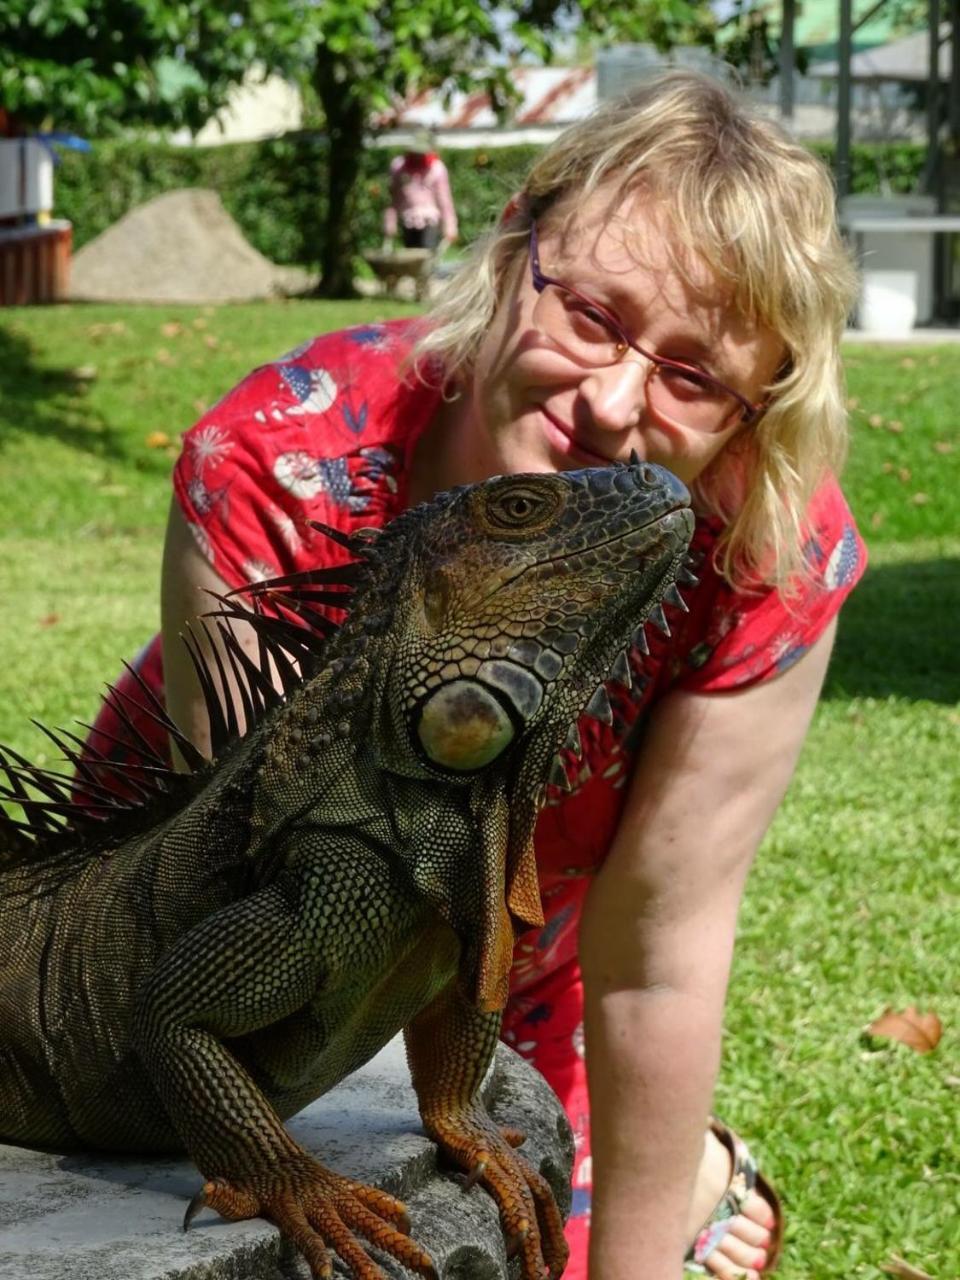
(744,1178)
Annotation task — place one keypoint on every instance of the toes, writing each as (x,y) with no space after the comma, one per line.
(749,1231)
(758,1210)
(399,1245)
(733,1257)
(383,1205)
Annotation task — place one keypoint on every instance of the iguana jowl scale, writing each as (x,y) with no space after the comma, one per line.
(189,967)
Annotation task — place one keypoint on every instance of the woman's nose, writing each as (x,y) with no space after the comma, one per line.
(615,393)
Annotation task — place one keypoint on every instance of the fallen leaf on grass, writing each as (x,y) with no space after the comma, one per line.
(876,520)
(920,499)
(49,620)
(897,1266)
(84,372)
(875,420)
(896,426)
(943,446)
(908,362)
(171,328)
(919,1031)
(157,440)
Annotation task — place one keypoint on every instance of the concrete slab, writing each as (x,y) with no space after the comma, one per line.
(93,1217)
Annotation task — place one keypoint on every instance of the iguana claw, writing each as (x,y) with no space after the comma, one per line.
(531,1220)
(318,1211)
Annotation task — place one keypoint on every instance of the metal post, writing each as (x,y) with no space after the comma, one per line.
(933,96)
(954,98)
(787,21)
(844,54)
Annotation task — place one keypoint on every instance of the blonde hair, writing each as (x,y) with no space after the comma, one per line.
(759,210)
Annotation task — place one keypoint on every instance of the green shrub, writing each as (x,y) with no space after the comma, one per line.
(276,189)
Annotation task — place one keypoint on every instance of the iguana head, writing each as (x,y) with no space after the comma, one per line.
(516,600)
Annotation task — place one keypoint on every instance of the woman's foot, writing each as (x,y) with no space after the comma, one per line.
(741,1253)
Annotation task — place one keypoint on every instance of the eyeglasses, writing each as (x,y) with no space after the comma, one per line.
(592,336)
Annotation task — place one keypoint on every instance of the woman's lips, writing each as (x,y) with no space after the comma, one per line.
(562,439)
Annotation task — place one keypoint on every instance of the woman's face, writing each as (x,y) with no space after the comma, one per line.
(530,407)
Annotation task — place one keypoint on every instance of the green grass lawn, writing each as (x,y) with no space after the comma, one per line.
(854,902)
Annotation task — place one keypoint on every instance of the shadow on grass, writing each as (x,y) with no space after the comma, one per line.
(898,634)
(48,402)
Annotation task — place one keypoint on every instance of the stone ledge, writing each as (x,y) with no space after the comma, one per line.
(94,1217)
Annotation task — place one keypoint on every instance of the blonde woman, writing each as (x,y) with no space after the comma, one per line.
(670,281)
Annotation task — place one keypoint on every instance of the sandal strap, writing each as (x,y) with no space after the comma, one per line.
(743,1179)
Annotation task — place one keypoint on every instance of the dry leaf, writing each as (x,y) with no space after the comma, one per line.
(919,1031)
(211,341)
(875,420)
(920,499)
(84,372)
(896,426)
(157,440)
(50,620)
(853,403)
(897,1266)
(200,405)
(163,356)
(171,328)
(943,446)
(905,474)
(908,362)
(876,520)
(199,323)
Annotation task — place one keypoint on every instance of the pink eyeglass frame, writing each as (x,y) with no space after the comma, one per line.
(540,281)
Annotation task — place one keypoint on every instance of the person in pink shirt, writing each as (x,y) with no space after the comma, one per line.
(421,204)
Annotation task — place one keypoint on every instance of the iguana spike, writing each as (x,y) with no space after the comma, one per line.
(215,717)
(344,540)
(558,775)
(192,757)
(686,575)
(673,596)
(659,620)
(599,706)
(620,671)
(640,641)
(239,676)
(634,458)
(572,741)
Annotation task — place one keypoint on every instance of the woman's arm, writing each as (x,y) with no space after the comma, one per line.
(185,585)
(656,945)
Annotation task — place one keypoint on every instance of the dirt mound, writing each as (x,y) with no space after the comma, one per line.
(181,246)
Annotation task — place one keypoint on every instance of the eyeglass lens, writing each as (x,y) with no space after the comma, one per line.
(588,336)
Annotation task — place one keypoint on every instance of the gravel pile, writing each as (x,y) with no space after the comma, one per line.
(181,246)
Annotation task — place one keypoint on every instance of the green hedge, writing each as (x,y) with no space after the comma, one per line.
(275,189)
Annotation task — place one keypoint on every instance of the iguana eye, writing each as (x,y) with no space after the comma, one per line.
(520,508)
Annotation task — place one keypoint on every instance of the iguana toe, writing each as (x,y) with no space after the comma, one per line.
(319,1211)
(531,1221)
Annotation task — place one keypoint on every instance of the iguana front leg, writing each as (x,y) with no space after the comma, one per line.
(242,969)
(449,1047)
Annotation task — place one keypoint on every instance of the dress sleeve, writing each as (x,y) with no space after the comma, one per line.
(746,637)
(309,437)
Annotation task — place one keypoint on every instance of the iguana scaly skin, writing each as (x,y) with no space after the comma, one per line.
(191,968)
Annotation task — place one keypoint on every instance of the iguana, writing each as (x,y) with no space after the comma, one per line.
(188,966)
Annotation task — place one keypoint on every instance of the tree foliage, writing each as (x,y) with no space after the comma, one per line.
(96,64)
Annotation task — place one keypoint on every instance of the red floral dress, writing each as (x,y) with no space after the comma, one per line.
(326,433)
